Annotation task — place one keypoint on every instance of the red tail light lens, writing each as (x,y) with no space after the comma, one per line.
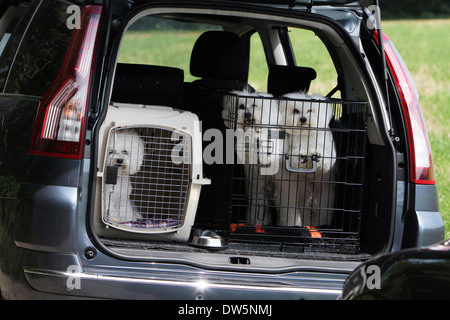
(419,145)
(60,122)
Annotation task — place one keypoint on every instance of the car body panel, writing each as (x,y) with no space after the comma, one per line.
(162,281)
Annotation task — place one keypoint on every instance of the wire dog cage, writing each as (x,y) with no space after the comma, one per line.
(301,161)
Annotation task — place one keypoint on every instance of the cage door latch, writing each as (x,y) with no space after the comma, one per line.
(314,160)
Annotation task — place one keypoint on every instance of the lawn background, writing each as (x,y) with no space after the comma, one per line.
(423,44)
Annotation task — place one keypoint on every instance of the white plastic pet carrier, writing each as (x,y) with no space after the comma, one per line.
(150,172)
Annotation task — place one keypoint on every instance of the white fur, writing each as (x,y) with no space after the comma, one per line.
(298,196)
(260,108)
(126,151)
(301,194)
(255,113)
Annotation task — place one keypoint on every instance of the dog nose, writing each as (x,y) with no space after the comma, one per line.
(303,120)
(248,115)
(119,161)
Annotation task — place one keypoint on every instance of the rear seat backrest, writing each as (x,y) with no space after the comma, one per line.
(148,84)
(221,60)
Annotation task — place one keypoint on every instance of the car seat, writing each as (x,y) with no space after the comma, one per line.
(221,60)
(287,79)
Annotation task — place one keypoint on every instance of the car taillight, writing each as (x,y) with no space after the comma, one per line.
(60,121)
(419,145)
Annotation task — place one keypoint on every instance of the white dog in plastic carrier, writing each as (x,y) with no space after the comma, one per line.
(254,116)
(125,156)
(303,187)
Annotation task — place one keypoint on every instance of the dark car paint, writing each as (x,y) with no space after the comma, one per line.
(409,274)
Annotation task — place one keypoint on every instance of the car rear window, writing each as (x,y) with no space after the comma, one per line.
(13,22)
(34,52)
(158,41)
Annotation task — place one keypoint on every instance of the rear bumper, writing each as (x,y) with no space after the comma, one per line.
(117,284)
(430,228)
(424,225)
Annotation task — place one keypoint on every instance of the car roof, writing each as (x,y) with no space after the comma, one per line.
(347,13)
(289,3)
(306,2)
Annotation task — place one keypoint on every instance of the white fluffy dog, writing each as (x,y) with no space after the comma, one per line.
(250,108)
(309,142)
(255,114)
(125,152)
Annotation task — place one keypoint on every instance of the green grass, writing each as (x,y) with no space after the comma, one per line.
(424,45)
(159,48)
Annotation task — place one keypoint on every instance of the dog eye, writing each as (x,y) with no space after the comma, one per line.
(124,152)
(309,110)
(242,107)
(296,111)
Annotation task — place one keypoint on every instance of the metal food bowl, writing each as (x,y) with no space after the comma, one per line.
(208,239)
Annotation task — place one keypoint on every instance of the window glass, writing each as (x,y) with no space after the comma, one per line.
(158,41)
(310,51)
(41,51)
(258,70)
(13,23)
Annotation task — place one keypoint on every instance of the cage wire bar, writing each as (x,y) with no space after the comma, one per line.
(301,170)
(144,189)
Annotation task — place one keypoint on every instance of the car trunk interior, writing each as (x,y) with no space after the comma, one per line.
(209,172)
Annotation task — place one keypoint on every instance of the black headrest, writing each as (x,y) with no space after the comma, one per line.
(146,84)
(287,79)
(220,55)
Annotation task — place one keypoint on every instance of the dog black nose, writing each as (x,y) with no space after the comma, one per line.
(119,161)
(248,115)
(303,120)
